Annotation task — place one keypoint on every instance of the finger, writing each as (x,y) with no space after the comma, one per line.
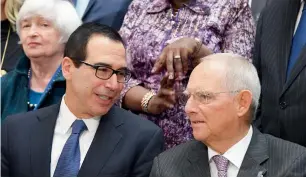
(171,99)
(184,59)
(170,83)
(165,92)
(170,64)
(167,104)
(160,63)
(164,81)
(178,63)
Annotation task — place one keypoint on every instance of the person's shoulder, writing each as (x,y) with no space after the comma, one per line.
(178,152)
(9,77)
(28,118)
(281,147)
(139,4)
(134,121)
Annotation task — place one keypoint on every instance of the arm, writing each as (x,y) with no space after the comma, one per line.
(133,92)
(132,95)
(240,31)
(144,163)
(155,172)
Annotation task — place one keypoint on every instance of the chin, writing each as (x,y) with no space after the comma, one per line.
(100,111)
(200,136)
(35,54)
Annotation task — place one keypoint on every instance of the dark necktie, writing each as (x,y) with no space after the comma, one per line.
(68,164)
(299,41)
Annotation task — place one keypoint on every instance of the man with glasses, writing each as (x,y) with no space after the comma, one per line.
(222,97)
(84,135)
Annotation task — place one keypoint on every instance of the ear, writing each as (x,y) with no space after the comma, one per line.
(67,68)
(244,100)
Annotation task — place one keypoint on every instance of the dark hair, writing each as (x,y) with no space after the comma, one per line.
(76,46)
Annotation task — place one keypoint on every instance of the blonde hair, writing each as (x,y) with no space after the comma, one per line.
(11,10)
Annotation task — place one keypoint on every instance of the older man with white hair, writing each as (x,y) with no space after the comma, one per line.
(223,93)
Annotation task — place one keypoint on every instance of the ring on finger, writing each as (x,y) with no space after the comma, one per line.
(177,57)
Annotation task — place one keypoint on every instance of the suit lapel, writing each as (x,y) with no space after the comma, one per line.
(251,168)
(41,141)
(297,68)
(199,163)
(290,12)
(104,143)
(255,156)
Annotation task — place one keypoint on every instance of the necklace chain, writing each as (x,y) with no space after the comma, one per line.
(4,51)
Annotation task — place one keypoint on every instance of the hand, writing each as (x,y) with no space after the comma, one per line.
(165,97)
(174,57)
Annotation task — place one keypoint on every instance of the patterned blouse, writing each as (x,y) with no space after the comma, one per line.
(221,25)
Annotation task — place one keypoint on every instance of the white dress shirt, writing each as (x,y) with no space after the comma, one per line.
(235,155)
(250,3)
(63,131)
(299,15)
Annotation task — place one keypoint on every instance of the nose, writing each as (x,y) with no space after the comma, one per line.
(190,106)
(112,83)
(33,31)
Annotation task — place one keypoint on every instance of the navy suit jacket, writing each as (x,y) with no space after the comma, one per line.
(124,145)
(108,12)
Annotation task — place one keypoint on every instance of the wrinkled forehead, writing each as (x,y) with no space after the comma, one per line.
(207,78)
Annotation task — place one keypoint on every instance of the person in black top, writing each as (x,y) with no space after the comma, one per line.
(11,51)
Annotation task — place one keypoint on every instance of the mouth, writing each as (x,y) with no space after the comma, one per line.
(33,44)
(105,97)
(197,122)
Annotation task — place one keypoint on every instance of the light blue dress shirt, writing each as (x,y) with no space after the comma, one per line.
(81,6)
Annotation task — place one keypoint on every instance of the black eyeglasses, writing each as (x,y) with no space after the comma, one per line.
(105,72)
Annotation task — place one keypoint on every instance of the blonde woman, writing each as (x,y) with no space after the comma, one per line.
(10,49)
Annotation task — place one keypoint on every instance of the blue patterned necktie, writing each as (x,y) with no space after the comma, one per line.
(68,164)
(299,41)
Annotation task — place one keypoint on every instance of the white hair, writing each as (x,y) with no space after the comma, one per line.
(240,74)
(60,12)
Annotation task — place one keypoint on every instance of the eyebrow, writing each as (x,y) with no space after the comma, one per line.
(24,20)
(108,65)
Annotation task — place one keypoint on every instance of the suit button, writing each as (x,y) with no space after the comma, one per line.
(283,105)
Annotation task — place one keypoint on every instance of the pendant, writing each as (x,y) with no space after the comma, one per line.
(3,72)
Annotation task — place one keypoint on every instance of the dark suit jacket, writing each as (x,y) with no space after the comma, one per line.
(282,110)
(257,6)
(110,12)
(124,145)
(266,155)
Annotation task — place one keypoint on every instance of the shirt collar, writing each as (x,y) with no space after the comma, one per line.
(236,153)
(197,6)
(66,118)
